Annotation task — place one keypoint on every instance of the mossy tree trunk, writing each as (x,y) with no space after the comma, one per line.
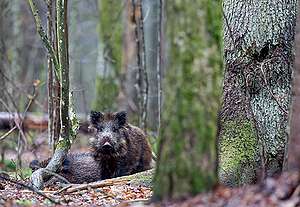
(186,155)
(253,121)
(110,30)
(61,64)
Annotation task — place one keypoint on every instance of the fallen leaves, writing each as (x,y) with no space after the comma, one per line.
(104,196)
(274,192)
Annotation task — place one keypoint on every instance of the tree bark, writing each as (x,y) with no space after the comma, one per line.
(127,98)
(253,121)
(152,24)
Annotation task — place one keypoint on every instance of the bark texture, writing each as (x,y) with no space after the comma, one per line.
(253,122)
(127,98)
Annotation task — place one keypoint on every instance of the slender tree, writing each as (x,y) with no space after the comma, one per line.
(50,78)
(253,121)
(153,56)
(60,58)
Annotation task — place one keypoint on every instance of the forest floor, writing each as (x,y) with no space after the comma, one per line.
(283,191)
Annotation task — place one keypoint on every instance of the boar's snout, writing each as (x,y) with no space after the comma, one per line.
(107,147)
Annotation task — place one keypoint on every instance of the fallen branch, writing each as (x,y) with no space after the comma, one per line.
(100,184)
(30,188)
(34,122)
(142,178)
(7,133)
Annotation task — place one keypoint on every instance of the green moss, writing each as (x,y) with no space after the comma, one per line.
(142,178)
(63,144)
(238,149)
(107,92)
(111,29)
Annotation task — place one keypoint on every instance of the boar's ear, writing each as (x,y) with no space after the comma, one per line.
(95,117)
(121,118)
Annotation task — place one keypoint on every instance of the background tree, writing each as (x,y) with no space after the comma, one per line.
(253,121)
(127,97)
(110,29)
(294,142)
(186,154)
(153,24)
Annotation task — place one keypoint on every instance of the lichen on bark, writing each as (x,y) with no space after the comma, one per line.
(238,151)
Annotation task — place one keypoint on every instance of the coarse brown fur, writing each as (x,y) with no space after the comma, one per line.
(117,149)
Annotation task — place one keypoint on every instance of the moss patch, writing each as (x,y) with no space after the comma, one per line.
(237,151)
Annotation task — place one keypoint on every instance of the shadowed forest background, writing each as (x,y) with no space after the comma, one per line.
(103,65)
(215,92)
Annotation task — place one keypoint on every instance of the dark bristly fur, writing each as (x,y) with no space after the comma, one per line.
(117,149)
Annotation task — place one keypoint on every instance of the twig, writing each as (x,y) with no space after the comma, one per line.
(103,183)
(7,133)
(62,190)
(30,188)
(56,175)
(19,89)
(15,121)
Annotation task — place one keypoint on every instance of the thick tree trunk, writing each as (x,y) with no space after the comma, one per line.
(294,142)
(253,122)
(186,154)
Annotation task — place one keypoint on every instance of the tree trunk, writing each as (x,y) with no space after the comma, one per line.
(294,142)
(152,24)
(186,154)
(127,98)
(4,17)
(50,79)
(110,35)
(253,121)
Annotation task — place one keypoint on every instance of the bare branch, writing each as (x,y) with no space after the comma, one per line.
(30,188)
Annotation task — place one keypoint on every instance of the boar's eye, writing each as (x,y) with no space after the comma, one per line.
(96,117)
(115,128)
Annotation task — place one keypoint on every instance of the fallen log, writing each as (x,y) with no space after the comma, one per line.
(139,179)
(33,121)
